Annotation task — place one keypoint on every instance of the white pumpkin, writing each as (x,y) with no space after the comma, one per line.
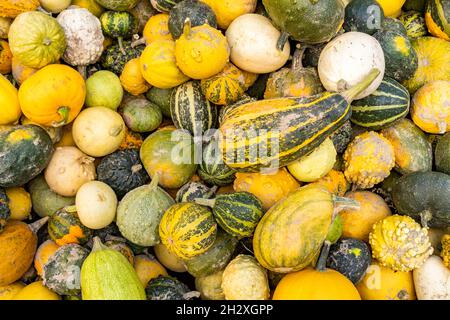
(55,6)
(253,42)
(96,204)
(347,59)
(316,164)
(432,280)
(98,131)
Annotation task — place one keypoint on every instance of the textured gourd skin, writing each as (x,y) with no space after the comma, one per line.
(118,5)
(412,150)
(40,32)
(399,243)
(432,280)
(140,212)
(107,275)
(166,288)
(414,24)
(192,190)
(5,57)
(62,270)
(445,252)
(26,151)
(119,24)
(65,227)
(421,195)
(245,279)
(368,159)
(132,80)
(43,253)
(304,214)
(120,246)
(210,286)
(113,59)
(5,212)
(335,182)
(342,136)
(12,8)
(437,17)
(393,24)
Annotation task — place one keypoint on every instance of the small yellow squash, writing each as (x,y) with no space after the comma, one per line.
(36,291)
(10,109)
(19,203)
(9,291)
(157,28)
(228,10)
(132,80)
(5,57)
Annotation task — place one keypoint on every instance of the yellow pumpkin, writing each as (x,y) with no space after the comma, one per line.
(21,72)
(10,110)
(53,96)
(335,182)
(90,5)
(157,28)
(311,284)
(391,8)
(168,259)
(269,188)
(358,222)
(201,51)
(19,203)
(36,291)
(5,57)
(9,291)
(66,138)
(382,283)
(430,109)
(132,140)
(228,10)
(12,8)
(158,65)
(148,268)
(43,253)
(132,80)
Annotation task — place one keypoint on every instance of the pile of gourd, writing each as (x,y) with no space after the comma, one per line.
(114,186)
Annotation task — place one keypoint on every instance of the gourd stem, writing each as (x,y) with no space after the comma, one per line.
(205,202)
(345,203)
(138,42)
(64,113)
(119,40)
(187,28)
(321,264)
(35,226)
(98,245)
(297,62)
(351,93)
(282,40)
(82,71)
(154,183)
(425,217)
(191,294)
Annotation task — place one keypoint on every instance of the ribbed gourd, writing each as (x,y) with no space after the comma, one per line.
(368,159)
(400,243)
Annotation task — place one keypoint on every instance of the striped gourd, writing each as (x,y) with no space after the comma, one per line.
(65,227)
(164,5)
(12,8)
(120,25)
(190,110)
(237,213)
(389,103)
(273,133)
(437,18)
(243,100)
(414,23)
(187,229)
(213,170)
(192,190)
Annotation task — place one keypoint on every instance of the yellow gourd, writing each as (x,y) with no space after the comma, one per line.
(228,10)
(158,65)
(10,109)
(21,72)
(9,291)
(132,80)
(36,291)
(335,182)
(5,57)
(148,268)
(90,5)
(201,51)
(43,253)
(19,203)
(445,252)
(66,138)
(157,28)
(391,8)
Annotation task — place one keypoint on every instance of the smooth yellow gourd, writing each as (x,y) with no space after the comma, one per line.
(9,291)
(10,111)
(19,203)
(36,291)
(391,8)
(157,28)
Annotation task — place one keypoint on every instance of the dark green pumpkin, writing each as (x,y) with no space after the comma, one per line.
(5,213)
(190,109)
(120,245)
(167,288)
(416,5)
(141,115)
(213,170)
(122,171)
(259,87)
(389,103)
(113,59)
(424,197)
(164,5)
(305,20)
(120,25)
(414,23)
(215,259)
(192,190)
(64,227)
(106,233)
(393,24)
(25,152)
(437,18)
(442,154)
(118,5)
(399,55)
(342,137)
(198,12)
(364,16)
(350,257)
(160,97)
(61,272)
(237,213)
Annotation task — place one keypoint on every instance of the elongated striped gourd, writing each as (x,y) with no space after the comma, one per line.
(187,229)
(437,18)
(273,133)
(389,103)
(190,110)
(237,213)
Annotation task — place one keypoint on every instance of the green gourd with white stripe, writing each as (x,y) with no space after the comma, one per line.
(389,103)
(237,213)
(190,109)
(120,25)
(213,170)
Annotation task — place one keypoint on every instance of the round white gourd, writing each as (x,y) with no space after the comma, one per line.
(432,280)
(96,204)
(253,42)
(347,59)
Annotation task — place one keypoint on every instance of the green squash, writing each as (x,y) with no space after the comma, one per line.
(26,151)
(412,150)
(119,25)
(215,258)
(342,137)
(65,227)
(103,89)
(416,5)
(394,24)
(307,21)
(107,275)
(198,12)
(364,16)
(400,57)
(141,115)
(442,154)
(114,59)
(164,5)
(45,201)
(118,5)
(161,97)
(168,288)
(5,212)
(424,197)
(237,213)
(192,190)
(62,270)
(414,23)
(389,103)
(140,212)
